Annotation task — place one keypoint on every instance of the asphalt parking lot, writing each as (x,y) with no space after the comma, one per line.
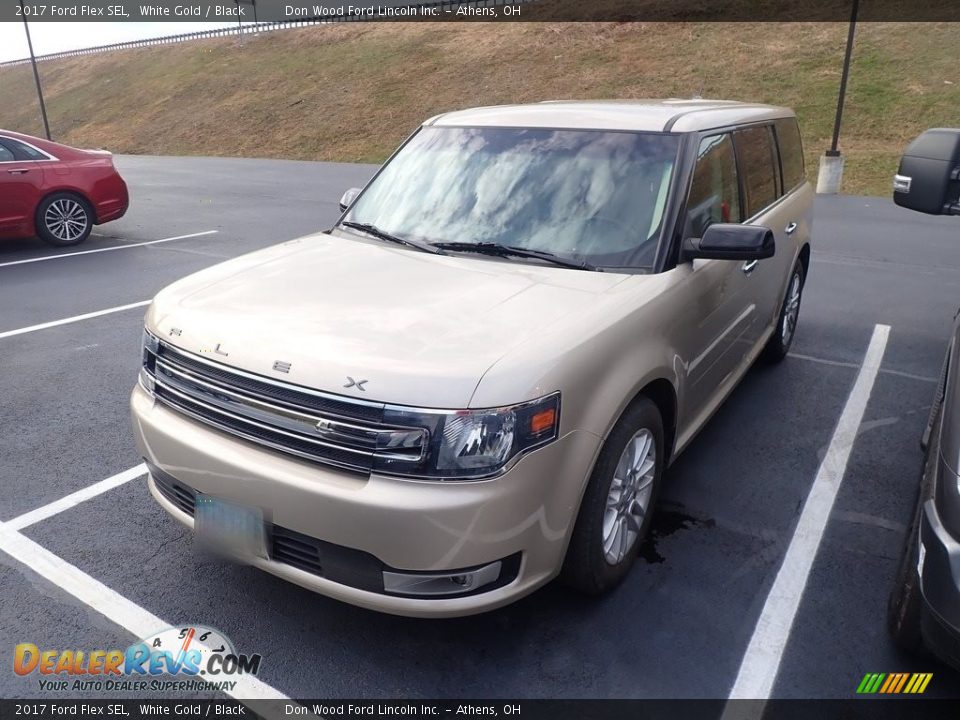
(680,625)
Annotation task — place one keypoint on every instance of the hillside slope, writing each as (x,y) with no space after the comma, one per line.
(351,93)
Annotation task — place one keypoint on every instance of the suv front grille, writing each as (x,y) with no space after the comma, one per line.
(287,548)
(180,495)
(288,418)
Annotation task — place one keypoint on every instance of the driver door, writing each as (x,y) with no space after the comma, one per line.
(717,291)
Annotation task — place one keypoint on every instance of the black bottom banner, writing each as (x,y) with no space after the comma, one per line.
(901,708)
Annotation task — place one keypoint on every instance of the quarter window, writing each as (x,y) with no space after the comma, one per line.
(758,162)
(715,191)
(791,152)
(22,151)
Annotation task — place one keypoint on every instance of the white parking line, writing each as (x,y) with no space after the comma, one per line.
(108,602)
(75,318)
(885,371)
(74,499)
(761,662)
(107,249)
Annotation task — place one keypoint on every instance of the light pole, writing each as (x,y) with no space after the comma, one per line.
(36,74)
(843,78)
(238,3)
(831,164)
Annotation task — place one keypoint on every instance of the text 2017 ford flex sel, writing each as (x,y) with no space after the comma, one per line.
(474,382)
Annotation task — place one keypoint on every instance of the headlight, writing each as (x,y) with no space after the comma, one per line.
(475,443)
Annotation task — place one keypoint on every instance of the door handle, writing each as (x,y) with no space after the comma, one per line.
(17,172)
(749,266)
(790,228)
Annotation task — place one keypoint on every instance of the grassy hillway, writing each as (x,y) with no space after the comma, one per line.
(353,92)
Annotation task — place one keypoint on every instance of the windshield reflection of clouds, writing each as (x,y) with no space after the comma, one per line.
(592,195)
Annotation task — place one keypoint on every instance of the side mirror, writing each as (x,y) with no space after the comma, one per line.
(728,241)
(928,180)
(348,197)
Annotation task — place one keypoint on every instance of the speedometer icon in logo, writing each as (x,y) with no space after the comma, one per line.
(189,650)
(204,641)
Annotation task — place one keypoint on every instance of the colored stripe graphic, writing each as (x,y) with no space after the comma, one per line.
(903,681)
(891,680)
(870,683)
(894,683)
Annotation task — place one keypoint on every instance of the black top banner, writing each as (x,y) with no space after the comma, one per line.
(280,11)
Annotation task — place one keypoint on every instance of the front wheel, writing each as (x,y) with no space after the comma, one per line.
(779,343)
(64,219)
(617,506)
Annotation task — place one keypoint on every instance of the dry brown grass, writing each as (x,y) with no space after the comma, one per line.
(352,92)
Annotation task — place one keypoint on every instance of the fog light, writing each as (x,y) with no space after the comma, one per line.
(440,584)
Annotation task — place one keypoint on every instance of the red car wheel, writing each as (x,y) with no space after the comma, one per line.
(64,219)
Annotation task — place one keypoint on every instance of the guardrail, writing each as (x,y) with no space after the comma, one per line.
(248,29)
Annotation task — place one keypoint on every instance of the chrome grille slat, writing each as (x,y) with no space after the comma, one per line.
(298,422)
(251,396)
(275,390)
(188,409)
(286,418)
(254,423)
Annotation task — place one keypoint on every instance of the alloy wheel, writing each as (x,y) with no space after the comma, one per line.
(791,311)
(66,220)
(628,499)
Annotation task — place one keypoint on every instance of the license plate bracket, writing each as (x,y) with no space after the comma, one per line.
(230,528)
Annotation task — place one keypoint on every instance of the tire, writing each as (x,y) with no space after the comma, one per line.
(597,559)
(64,219)
(905,606)
(779,343)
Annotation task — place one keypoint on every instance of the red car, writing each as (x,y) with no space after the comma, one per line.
(56,191)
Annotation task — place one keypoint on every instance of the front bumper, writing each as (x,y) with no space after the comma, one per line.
(939,562)
(940,585)
(528,513)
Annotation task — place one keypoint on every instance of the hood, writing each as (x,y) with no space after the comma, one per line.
(420,329)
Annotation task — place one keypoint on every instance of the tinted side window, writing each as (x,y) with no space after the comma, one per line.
(714,192)
(758,163)
(791,152)
(5,154)
(23,151)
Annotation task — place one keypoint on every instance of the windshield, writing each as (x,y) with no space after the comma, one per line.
(593,196)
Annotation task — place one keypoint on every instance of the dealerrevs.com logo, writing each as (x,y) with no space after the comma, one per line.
(174,659)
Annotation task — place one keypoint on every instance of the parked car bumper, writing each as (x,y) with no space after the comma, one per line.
(940,584)
(114,200)
(369,525)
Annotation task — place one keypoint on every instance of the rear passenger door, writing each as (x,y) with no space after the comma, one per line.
(798,193)
(759,165)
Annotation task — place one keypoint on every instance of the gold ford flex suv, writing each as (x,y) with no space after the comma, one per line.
(474,382)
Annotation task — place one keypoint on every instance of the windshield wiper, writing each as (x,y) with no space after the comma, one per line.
(489,248)
(384,235)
